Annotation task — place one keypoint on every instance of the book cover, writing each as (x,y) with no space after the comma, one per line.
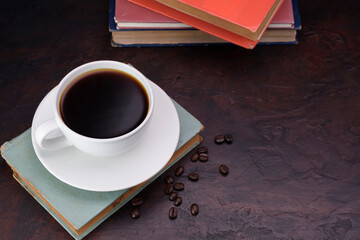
(284,18)
(131,16)
(245,18)
(197,23)
(189,37)
(297,21)
(80,211)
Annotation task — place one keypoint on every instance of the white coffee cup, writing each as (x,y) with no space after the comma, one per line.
(94,146)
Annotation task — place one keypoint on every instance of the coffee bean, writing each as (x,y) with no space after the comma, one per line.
(224,170)
(203,157)
(219,139)
(179,171)
(194,157)
(172,196)
(169,179)
(194,209)
(202,150)
(179,186)
(135,213)
(168,188)
(193,176)
(178,201)
(137,201)
(228,138)
(173,212)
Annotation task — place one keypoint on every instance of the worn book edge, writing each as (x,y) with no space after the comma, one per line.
(114,206)
(188,37)
(247,32)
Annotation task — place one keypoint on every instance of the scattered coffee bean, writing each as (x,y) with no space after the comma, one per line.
(203,157)
(194,209)
(178,201)
(228,138)
(173,212)
(137,201)
(172,196)
(195,157)
(179,171)
(219,139)
(135,213)
(193,176)
(224,170)
(168,188)
(179,186)
(169,179)
(202,150)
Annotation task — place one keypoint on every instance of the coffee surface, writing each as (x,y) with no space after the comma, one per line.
(104,103)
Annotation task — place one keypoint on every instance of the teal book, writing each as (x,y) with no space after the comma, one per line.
(80,211)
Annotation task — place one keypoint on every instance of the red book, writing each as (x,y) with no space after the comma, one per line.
(248,18)
(197,23)
(131,16)
(284,18)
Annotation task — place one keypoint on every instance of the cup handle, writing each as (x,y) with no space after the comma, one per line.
(44,130)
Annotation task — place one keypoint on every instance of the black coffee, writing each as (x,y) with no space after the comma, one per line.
(104,103)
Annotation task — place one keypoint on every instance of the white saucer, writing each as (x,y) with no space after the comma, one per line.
(88,172)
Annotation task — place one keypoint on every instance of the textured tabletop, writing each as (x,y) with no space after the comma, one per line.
(293,112)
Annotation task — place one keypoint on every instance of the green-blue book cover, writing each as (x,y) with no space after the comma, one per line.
(80,211)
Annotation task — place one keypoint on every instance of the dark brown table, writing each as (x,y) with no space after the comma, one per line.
(293,111)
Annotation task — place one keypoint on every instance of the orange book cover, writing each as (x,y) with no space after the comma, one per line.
(248,18)
(197,23)
(246,13)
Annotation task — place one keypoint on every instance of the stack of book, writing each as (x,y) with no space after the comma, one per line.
(189,22)
(80,211)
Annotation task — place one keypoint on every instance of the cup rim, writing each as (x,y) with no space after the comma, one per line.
(66,80)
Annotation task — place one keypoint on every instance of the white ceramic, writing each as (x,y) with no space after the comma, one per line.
(123,171)
(94,146)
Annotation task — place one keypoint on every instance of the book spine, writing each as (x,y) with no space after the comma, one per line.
(28,188)
(117,45)
(297,22)
(113,44)
(112,24)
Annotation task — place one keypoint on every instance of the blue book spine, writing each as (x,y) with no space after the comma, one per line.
(112,24)
(297,22)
